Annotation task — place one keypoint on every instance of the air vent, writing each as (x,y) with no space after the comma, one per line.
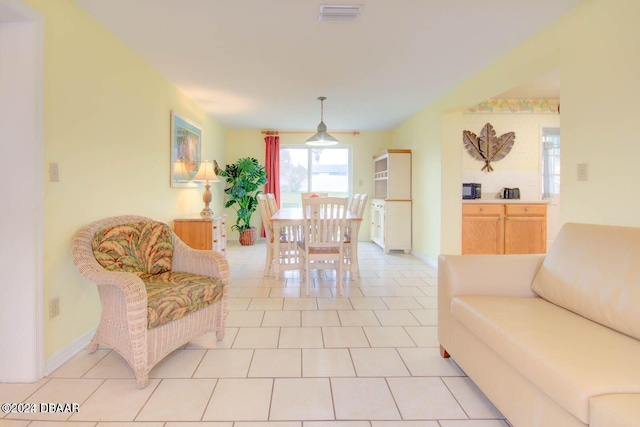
(344,13)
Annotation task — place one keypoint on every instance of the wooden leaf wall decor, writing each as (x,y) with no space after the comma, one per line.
(488,147)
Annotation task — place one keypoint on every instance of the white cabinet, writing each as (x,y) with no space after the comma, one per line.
(391,202)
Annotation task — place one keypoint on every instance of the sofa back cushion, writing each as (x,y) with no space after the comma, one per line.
(594,271)
(142,248)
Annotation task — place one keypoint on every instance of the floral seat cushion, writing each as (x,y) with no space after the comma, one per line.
(146,249)
(174,294)
(140,248)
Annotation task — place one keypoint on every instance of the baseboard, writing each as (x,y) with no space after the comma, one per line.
(66,353)
(433,263)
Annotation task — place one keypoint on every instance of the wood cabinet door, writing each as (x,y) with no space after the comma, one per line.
(196,234)
(525,235)
(482,235)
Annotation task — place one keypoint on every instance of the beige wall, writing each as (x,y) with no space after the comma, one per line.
(595,47)
(106,123)
(250,143)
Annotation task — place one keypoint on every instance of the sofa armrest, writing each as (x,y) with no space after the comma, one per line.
(614,410)
(492,275)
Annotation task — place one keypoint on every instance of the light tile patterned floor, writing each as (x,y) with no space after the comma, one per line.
(368,358)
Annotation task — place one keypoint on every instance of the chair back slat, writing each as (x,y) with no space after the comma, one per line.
(324,221)
(273,205)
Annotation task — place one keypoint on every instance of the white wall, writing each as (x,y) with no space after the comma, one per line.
(21,192)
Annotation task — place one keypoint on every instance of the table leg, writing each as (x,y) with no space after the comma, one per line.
(276,249)
(354,270)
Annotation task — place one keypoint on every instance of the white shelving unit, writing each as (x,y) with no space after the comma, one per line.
(391,202)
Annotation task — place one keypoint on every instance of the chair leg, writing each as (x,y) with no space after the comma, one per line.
(307,273)
(142,381)
(340,276)
(269,261)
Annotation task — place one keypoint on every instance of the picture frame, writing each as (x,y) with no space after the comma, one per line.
(186,151)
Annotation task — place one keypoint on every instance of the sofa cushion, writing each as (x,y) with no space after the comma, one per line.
(615,410)
(568,357)
(174,294)
(594,270)
(140,248)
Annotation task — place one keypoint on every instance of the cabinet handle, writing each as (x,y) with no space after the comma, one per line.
(481,209)
(526,209)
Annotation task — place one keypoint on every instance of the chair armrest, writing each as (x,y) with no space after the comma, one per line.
(195,261)
(493,275)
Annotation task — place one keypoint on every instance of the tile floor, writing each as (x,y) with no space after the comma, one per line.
(367,359)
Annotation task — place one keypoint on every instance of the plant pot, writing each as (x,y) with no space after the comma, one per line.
(248,237)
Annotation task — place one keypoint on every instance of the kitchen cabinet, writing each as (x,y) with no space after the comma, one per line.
(203,233)
(525,229)
(511,228)
(391,202)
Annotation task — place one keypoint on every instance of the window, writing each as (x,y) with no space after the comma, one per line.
(310,169)
(550,162)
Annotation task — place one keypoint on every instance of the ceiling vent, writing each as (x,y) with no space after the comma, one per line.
(340,13)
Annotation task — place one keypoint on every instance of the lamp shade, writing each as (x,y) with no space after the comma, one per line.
(322,138)
(206,172)
(180,172)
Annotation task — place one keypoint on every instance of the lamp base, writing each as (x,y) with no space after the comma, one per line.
(206,213)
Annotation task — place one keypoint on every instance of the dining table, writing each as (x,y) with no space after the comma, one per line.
(287,219)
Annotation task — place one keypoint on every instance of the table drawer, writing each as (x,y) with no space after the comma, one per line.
(526,210)
(482,210)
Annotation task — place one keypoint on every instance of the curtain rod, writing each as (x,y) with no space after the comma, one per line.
(278,132)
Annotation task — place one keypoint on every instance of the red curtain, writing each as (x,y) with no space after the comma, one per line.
(272,167)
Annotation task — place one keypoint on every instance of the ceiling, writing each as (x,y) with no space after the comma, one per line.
(261,64)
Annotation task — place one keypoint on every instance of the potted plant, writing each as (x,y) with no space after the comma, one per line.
(244,179)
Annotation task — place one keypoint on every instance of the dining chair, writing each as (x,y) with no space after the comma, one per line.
(289,236)
(353,203)
(265,213)
(357,207)
(313,194)
(273,205)
(324,221)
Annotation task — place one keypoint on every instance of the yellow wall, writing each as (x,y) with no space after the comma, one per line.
(250,143)
(107,124)
(595,47)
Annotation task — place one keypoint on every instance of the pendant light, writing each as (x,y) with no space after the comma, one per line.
(322,138)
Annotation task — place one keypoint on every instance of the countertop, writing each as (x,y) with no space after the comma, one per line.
(504,202)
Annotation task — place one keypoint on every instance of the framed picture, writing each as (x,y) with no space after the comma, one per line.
(186,151)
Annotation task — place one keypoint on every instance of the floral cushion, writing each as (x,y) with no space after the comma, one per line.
(140,248)
(174,294)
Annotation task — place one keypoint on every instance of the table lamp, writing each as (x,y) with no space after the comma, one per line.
(206,173)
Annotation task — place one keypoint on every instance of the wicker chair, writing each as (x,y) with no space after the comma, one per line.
(124,323)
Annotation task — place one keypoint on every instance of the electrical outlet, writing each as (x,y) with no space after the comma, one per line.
(54,307)
(54,172)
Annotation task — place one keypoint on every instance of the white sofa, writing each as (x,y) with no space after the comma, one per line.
(552,341)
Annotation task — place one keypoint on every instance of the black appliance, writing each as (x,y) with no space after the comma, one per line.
(471,190)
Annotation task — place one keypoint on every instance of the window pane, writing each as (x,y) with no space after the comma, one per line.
(330,171)
(550,162)
(294,172)
(307,169)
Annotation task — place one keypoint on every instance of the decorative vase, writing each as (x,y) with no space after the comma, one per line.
(248,236)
